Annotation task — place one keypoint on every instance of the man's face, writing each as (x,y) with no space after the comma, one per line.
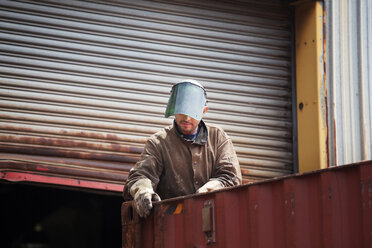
(186,124)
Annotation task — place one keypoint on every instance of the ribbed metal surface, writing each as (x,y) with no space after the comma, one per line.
(93,78)
(328,208)
(349,78)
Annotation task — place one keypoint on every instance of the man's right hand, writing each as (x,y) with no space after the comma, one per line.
(143,195)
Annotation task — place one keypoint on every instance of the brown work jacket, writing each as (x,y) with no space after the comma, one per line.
(178,167)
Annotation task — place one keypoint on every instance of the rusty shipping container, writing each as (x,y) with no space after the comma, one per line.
(326,208)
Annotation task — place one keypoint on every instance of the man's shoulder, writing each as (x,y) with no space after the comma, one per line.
(161,134)
(216,131)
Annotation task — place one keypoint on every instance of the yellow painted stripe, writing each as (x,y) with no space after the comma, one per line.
(311,91)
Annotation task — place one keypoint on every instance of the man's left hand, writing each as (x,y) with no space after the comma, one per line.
(210,186)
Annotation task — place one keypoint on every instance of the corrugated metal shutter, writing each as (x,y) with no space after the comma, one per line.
(349,80)
(84,83)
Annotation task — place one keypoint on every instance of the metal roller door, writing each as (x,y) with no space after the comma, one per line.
(84,83)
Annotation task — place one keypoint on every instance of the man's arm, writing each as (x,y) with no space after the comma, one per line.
(226,171)
(143,179)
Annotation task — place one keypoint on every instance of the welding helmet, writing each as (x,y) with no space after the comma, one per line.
(187,97)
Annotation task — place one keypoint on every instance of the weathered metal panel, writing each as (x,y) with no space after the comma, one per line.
(90,80)
(326,208)
(310,88)
(349,66)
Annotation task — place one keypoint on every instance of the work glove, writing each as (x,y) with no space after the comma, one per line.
(143,195)
(210,186)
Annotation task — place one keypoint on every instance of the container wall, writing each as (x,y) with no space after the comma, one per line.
(349,80)
(327,208)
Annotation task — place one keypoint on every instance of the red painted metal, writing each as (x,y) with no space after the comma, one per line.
(83,173)
(72,157)
(27,177)
(326,208)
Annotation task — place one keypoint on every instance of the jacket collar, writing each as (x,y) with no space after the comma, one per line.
(202,137)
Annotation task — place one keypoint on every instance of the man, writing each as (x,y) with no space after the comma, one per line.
(185,158)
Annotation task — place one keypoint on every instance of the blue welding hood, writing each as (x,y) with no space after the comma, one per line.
(187,97)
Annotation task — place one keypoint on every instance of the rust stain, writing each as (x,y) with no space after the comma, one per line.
(107,165)
(72,132)
(41,168)
(50,151)
(131,226)
(112,137)
(70,143)
(244,171)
